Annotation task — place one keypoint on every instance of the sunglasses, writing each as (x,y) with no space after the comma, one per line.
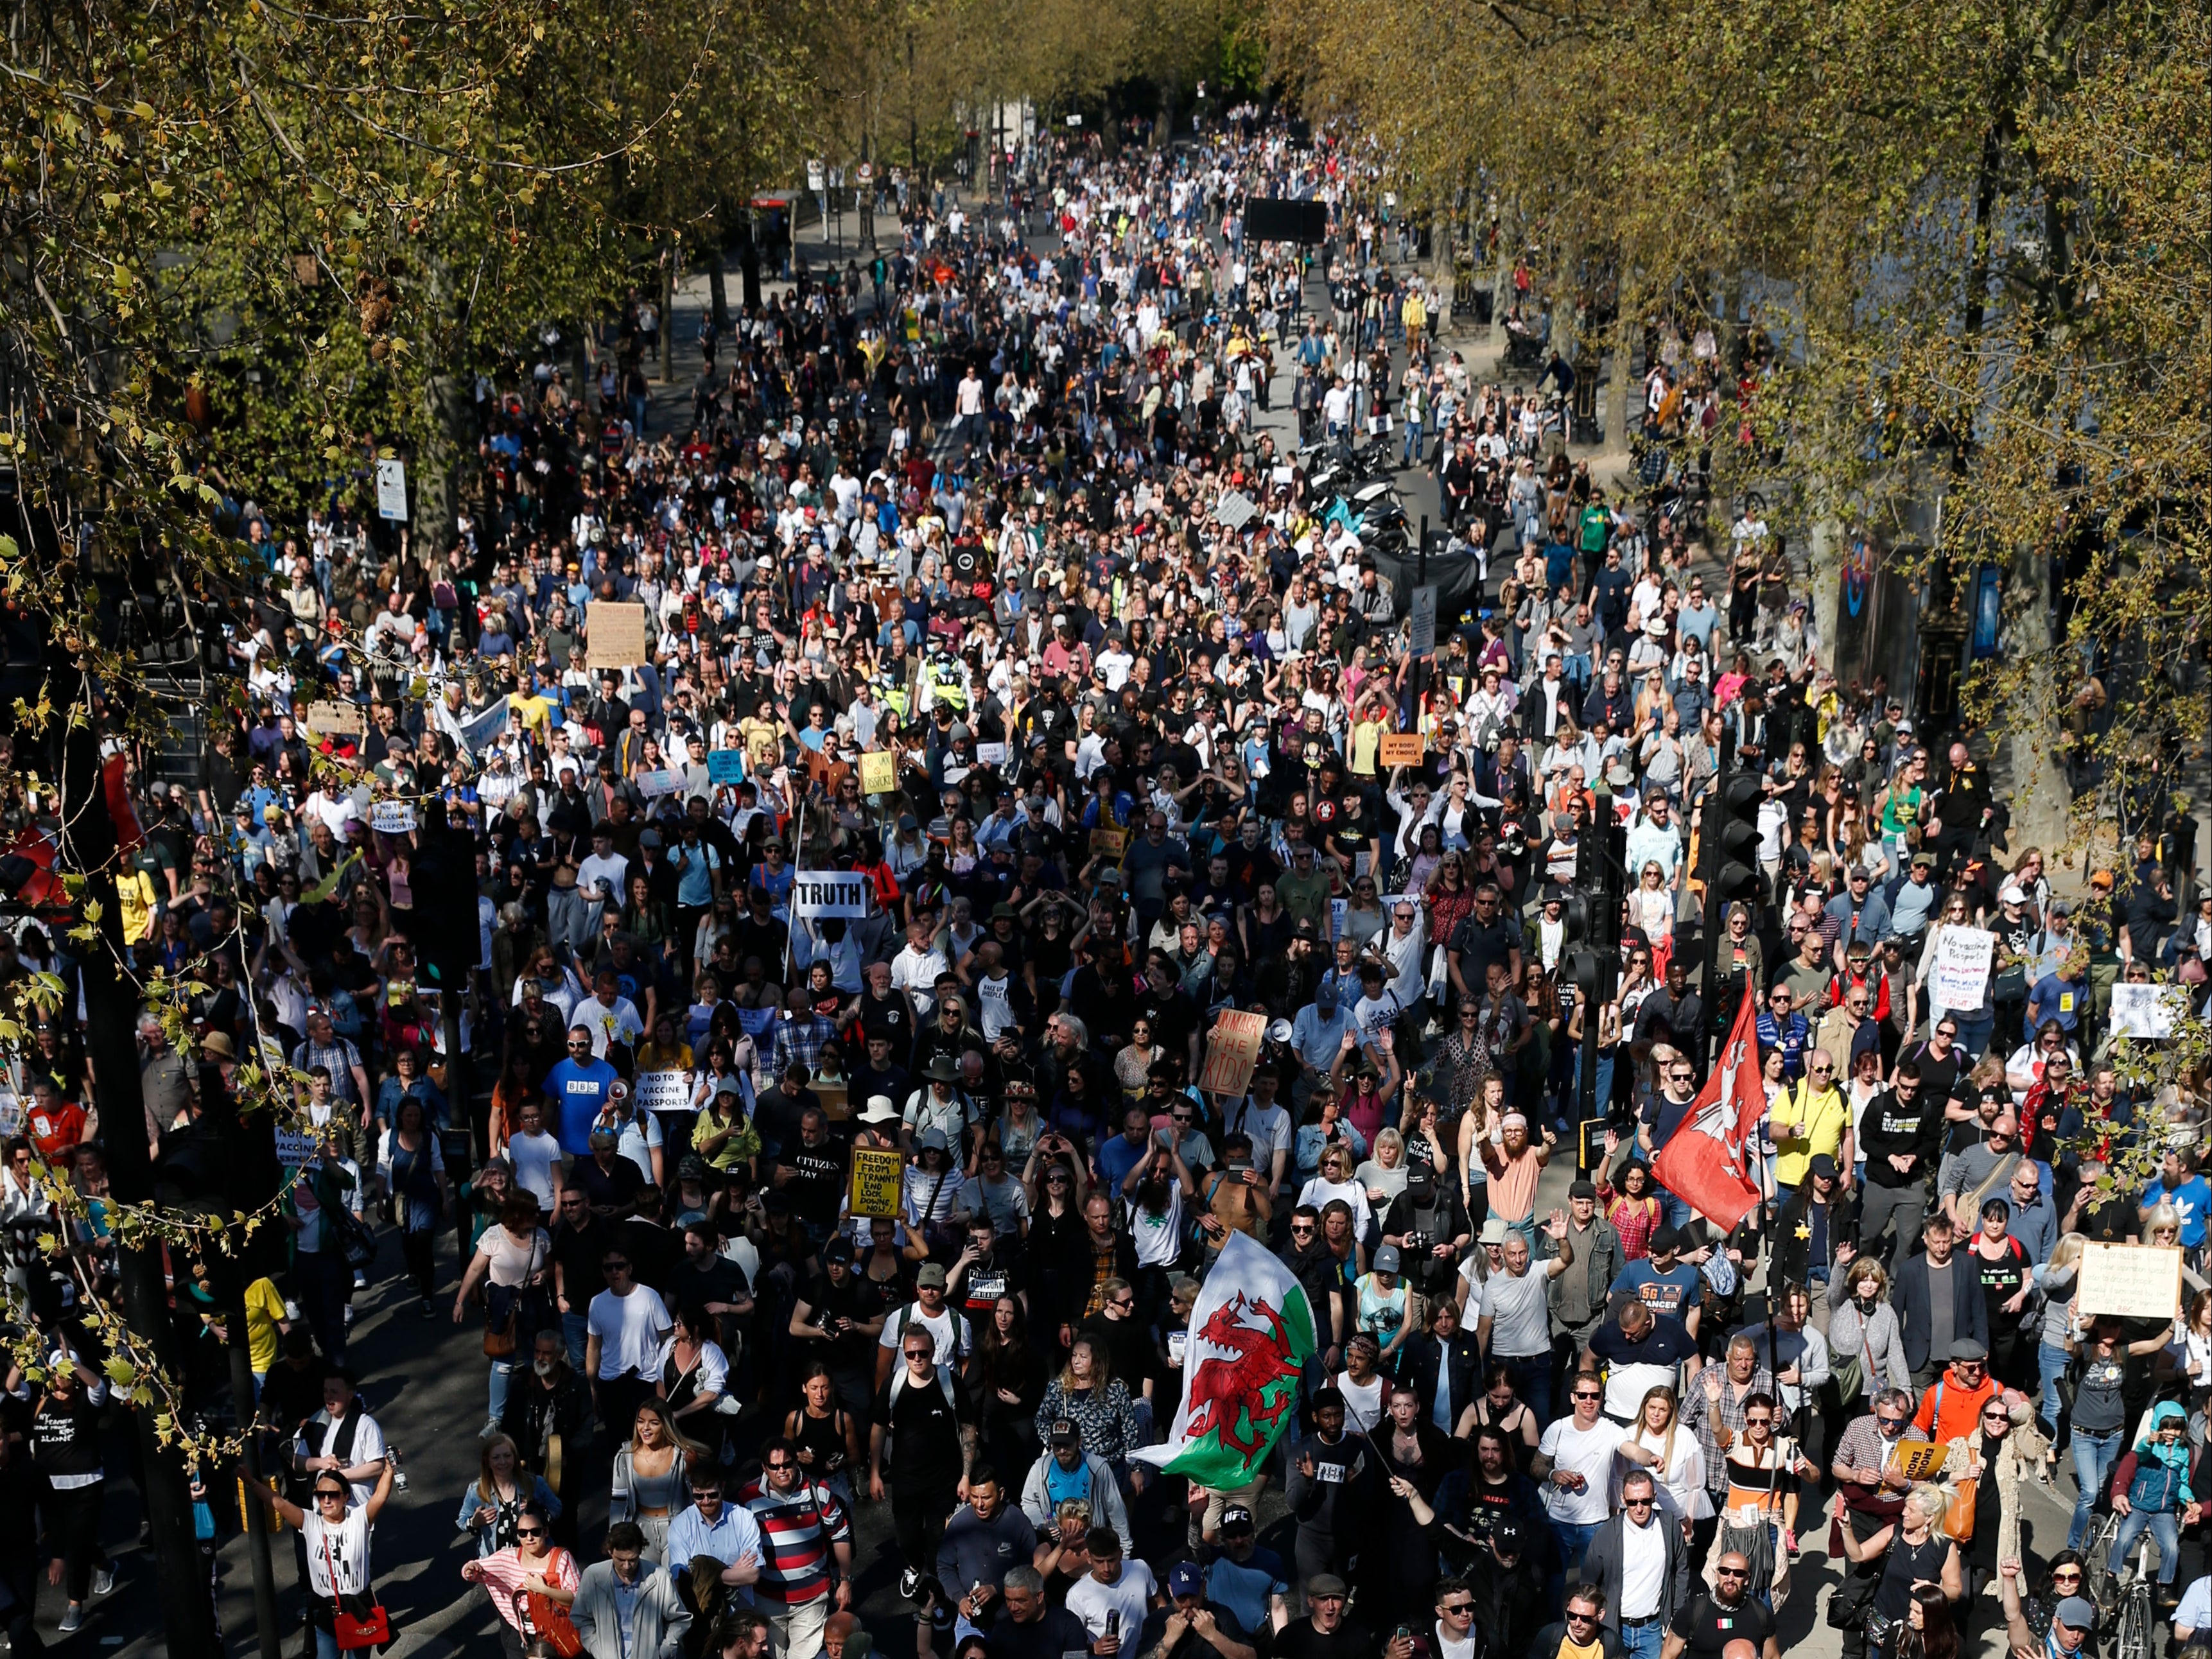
(1456,1606)
(324,1494)
(530,1532)
(1581,1394)
(1731,1572)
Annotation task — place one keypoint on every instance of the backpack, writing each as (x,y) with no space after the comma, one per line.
(944,1381)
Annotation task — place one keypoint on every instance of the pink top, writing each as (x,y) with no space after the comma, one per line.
(504,1571)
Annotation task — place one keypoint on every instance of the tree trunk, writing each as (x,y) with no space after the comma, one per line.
(2039,798)
(668,263)
(1617,392)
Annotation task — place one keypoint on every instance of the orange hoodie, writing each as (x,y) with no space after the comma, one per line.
(1951,1410)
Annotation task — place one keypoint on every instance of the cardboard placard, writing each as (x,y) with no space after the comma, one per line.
(878,772)
(725,766)
(1400,748)
(1232,1049)
(615,635)
(335,720)
(391,818)
(1961,979)
(663,1092)
(990,754)
(837,1100)
(878,1175)
(2130,1281)
(1918,1460)
(829,893)
(1109,843)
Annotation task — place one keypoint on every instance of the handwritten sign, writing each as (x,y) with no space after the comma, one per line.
(1232,1049)
(1963,956)
(653,785)
(1108,844)
(879,772)
(990,754)
(2147,1011)
(829,893)
(877,1173)
(615,634)
(2130,1281)
(663,1091)
(391,818)
(725,766)
(294,1149)
(1400,748)
(334,720)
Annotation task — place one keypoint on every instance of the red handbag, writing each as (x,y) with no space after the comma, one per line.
(352,1634)
(548,1620)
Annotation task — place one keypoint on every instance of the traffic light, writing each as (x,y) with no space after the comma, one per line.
(1727,846)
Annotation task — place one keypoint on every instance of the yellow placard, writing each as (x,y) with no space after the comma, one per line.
(879,773)
(877,1173)
(614,635)
(1108,844)
(1401,749)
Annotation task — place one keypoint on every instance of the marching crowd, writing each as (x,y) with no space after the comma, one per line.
(936,591)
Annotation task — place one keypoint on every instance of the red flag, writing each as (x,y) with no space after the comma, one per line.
(116,785)
(1704,1162)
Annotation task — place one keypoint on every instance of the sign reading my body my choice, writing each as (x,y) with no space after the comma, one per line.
(829,893)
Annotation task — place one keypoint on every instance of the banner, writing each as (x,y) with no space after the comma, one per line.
(1961,978)
(829,893)
(2130,1281)
(1703,1163)
(877,1172)
(614,635)
(1250,1335)
(477,733)
(663,1092)
(1231,1051)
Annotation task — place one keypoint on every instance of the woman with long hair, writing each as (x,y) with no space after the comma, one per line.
(1758,1519)
(1863,1329)
(532,1565)
(651,1477)
(827,1435)
(1929,1632)
(1009,1385)
(695,1377)
(512,1263)
(1087,1392)
(1659,1443)
(1976,1024)
(492,1502)
(1500,1408)
(1633,1209)
(2055,1278)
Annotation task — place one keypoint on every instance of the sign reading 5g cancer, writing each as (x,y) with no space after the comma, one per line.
(829,893)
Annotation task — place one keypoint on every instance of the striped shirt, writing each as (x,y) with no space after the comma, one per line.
(797,1532)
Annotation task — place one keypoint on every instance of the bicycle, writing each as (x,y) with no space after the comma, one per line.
(2122,1595)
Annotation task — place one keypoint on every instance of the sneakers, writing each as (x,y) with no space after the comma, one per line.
(103,1581)
(428,1312)
(489,1429)
(73,1619)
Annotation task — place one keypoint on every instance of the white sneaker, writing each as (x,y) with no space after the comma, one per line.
(103,1581)
(73,1619)
(489,1429)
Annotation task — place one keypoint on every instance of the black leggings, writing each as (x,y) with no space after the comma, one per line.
(416,1248)
(75,1533)
(917,1518)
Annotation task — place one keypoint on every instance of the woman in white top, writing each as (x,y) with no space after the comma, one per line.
(335,1533)
(1651,908)
(1670,1452)
(511,1262)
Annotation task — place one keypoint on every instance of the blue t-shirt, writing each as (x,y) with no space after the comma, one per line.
(1116,1157)
(2189,1197)
(1669,1293)
(580,1093)
(1245,1589)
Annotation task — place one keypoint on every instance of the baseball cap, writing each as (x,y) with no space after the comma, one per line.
(1667,1241)
(2011,894)
(1509,1535)
(2076,1613)
(1186,1579)
(931,1273)
(1386,1258)
(839,1249)
(1235,1518)
(1065,1433)
(1823,1166)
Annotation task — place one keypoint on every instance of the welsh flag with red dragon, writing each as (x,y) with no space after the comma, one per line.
(1250,1335)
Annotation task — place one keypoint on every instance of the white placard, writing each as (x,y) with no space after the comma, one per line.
(392,817)
(1963,956)
(990,754)
(663,1092)
(829,893)
(11,1112)
(391,490)
(2147,1011)
(294,1149)
(653,785)
(1424,643)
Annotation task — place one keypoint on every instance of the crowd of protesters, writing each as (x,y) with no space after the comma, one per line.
(954,514)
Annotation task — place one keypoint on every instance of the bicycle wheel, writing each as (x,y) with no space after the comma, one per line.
(2097,1566)
(2135,1624)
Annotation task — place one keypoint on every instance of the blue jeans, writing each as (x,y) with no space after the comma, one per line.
(1643,1641)
(1672,1210)
(502,1374)
(575,1333)
(1532,1381)
(2164,1526)
(1974,1030)
(2051,1364)
(2094,1457)
(1573,1542)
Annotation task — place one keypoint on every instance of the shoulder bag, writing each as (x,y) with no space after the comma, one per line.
(372,1629)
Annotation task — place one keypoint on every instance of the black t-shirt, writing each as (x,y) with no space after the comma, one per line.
(858,1300)
(1300,1640)
(1708,1627)
(610,1188)
(817,1179)
(925,1428)
(1055,1632)
(576,1253)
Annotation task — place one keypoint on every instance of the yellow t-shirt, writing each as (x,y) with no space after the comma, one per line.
(1805,1122)
(135,890)
(264,1309)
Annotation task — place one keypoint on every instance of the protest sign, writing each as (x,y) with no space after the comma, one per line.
(2147,1011)
(663,1091)
(878,772)
(615,634)
(1232,1049)
(990,754)
(294,1149)
(653,785)
(829,893)
(1108,844)
(725,766)
(1963,956)
(877,1174)
(335,720)
(1423,622)
(2130,1281)
(391,818)
(391,491)
(1401,749)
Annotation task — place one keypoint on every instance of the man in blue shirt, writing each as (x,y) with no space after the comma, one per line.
(1779,1027)
(713,1526)
(1663,1282)
(2179,1185)
(1244,1578)
(579,1087)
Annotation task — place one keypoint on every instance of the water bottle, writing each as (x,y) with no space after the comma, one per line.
(398,1474)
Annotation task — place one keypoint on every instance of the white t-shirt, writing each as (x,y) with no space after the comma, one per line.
(1643,1566)
(535,1159)
(949,1327)
(1159,1238)
(368,1448)
(1589,1453)
(1269,1128)
(344,1547)
(630,1329)
(1362,1402)
(1682,1483)
(619,1024)
(1130,1596)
